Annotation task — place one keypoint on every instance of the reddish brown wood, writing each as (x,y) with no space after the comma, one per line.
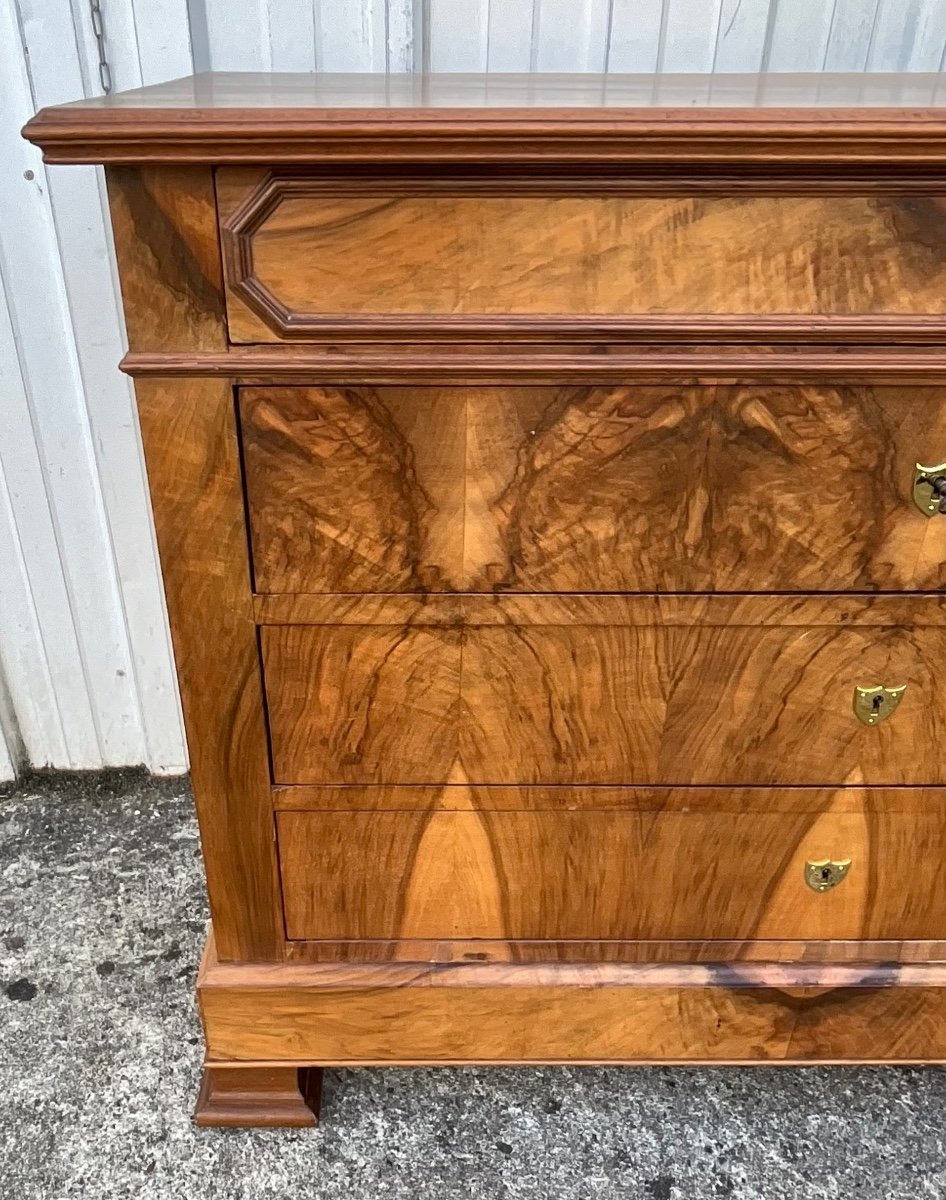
(165,237)
(456,921)
(417,1012)
(462,952)
(553,364)
(523,701)
(666,874)
(260,1097)
(622,489)
(483,255)
(832,121)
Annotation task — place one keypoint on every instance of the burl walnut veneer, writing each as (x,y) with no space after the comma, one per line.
(547,473)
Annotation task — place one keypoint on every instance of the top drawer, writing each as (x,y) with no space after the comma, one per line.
(303,253)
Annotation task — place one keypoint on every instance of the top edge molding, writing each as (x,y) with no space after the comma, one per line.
(839,121)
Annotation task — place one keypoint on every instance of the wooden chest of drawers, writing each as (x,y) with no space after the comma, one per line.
(547,477)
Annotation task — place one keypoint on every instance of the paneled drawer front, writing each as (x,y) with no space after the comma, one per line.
(675,699)
(752,488)
(716,871)
(301,251)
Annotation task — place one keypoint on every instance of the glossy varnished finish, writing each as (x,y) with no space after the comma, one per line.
(163,224)
(190,444)
(717,872)
(602,704)
(301,250)
(633,488)
(275,1096)
(781,120)
(785,352)
(574,611)
(170,275)
(338,1013)
(826,954)
(533,490)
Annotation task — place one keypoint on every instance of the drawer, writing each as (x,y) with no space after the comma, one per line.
(518,489)
(308,255)
(714,865)
(607,690)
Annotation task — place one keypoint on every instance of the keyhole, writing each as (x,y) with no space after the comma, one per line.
(825,874)
(875,709)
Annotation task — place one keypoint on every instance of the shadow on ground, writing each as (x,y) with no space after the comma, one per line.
(102,916)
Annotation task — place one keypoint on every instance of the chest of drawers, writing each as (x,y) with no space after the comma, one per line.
(546,473)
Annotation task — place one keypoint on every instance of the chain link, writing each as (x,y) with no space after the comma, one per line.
(98,29)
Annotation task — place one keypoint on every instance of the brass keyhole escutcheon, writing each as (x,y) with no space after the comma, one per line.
(822,874)
(929,489)
(875,704)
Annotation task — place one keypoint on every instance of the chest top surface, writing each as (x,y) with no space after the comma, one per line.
(308,118)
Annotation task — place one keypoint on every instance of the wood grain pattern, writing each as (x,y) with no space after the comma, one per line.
(612,875)
(576,610)
(164,222)
(189,433)
(592,489)
(760,357)
(777,121)
(559,704)
(791,801)
(345,1014)
(295,253)
(261,1098)
(826,955)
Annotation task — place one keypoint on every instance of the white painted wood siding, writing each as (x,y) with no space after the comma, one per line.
(86,677)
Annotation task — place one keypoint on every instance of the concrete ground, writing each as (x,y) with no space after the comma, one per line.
(101,918)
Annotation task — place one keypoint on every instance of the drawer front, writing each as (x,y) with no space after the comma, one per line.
(719,873)
(301,251)
(528,703)
(752,488)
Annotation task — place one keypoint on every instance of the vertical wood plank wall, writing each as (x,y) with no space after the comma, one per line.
(86,676)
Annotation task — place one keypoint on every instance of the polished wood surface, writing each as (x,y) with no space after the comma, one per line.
(165,242)
(297,252)
(571,611)
(614,875)
(259,1097)
(163,223)
(792,801)
(598,704)
(233,92)
(531,501)
(825,953)
(780,121)
(630,488)
(346,1014)
(596,362)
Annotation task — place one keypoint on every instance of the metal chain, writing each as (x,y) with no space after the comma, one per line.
(98,28)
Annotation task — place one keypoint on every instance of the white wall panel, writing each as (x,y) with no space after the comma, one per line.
(351,35)
(291,36)
(688,38)
(456,35)
(850,36)
(634,38)
(909,36)
(741,35)
(86,675)
(510,36)
(797,35)
(570,35)
(83,637)
(305,35)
